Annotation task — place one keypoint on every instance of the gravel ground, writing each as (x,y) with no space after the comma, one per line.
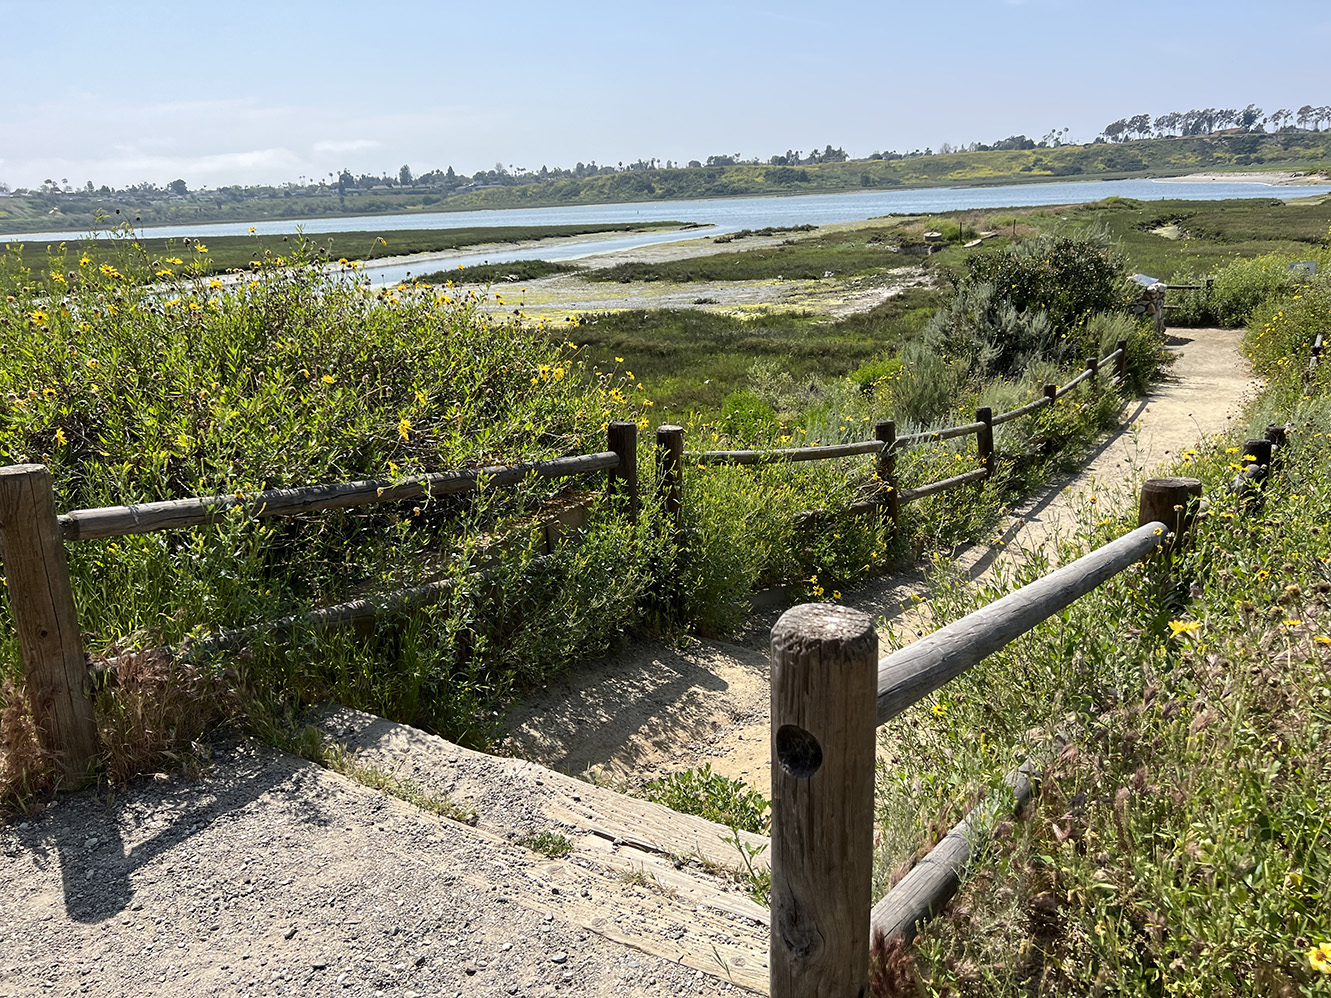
(272,876)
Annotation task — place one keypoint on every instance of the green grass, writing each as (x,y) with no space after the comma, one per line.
(491,273)
(550,844)
(1180,843)
(690,360)
(1212,232)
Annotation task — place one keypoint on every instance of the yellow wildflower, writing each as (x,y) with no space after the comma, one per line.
(60,437)
(328,379)
(404,428)
(1319,958)
(1177,627)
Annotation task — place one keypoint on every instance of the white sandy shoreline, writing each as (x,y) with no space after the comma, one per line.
(1272,178)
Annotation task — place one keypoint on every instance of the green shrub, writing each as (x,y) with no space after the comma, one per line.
(745,416)
(1282,328)
(712,796)
(1237,288)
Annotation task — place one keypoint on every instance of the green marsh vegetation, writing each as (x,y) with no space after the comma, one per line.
(1180,843)
(161,257)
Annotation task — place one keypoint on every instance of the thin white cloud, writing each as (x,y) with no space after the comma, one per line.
(346,145)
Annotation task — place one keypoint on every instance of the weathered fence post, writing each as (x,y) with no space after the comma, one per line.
(1121,365)
(622,438)
(824,714)
(37,575)
(984,440)
(670,471)
(1093,365)
(1172,501)
(885,430)
(1279,439)
(1051,393)
(1257,461)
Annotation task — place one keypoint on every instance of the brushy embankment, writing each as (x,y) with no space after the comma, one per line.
(134,391)
(1180,844)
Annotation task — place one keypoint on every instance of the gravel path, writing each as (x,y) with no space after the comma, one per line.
(272,876)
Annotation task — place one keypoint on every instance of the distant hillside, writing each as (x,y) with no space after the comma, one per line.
(1290,148)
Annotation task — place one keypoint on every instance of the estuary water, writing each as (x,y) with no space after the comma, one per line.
(724,215)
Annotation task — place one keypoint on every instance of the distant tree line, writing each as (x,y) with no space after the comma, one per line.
(436,184)
(1206,121)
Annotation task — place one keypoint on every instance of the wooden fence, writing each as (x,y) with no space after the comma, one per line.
(829,695)
(33,536)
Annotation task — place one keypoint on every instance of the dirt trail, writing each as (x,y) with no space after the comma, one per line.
(656,709)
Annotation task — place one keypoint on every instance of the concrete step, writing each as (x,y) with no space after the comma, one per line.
(637,873)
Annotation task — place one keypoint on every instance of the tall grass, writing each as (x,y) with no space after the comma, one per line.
(1179,844)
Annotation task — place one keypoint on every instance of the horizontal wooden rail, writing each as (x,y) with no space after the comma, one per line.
(788,454)
(910,495)
(1088,373)
(923,892)
(907,676)
(175,514)
(933,436)
(1037,405)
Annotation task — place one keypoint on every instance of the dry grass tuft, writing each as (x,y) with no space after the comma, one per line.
(25,771)
(157,709)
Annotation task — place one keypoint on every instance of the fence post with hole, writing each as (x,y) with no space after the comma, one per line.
(1121,365)
(984,440)
(824,714)
(45,619)
(889,504)
(622,438)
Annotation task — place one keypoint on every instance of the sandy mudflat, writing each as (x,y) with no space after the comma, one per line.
(1275,178)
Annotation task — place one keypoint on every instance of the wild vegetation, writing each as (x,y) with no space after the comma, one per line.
(1179,843)
(167,257)
(133,392)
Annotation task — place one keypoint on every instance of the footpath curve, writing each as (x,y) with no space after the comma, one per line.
(659,709)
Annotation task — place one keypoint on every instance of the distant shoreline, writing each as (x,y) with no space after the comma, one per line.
(1272,178)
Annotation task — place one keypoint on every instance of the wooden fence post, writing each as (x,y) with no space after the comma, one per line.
(885,430)
(1255,481)
(1121,365)
(1051,393)
(622,438)
(984,440)
(1093,365)
(824,714)
(1173,501)
(670,471)
(1279,439)
(37,575)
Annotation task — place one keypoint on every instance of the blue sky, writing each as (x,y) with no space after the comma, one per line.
(118,93)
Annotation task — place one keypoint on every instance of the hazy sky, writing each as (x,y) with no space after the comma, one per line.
(119,93)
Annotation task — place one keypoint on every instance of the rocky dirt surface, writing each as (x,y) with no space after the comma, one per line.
(272,876)
(659,709)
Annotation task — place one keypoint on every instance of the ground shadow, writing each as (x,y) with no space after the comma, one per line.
(85,832)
